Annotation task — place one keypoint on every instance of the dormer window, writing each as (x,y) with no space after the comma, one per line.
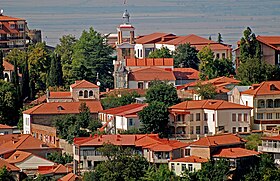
(60,108)
(272,87)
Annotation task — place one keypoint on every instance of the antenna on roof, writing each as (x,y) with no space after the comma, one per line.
(1,12)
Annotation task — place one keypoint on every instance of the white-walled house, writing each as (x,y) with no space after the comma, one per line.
(121,118)
(190,119)
(265,99)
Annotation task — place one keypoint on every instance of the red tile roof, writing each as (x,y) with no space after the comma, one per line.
(9,18)
(4,126)
(133,62)
(9,166)
(8,66)
(186,73)
(217,140)
(207,104)
(235,153)
(151,73)
(265,88)
(125,110)
(191,159)
(23,142)
(69,177)
(166,145)
(60,95)
(39,100)
(271,41)
(83,84)
(64,108)
(152,38)
(272,138)
(56,169)
(18,156)
(7,137)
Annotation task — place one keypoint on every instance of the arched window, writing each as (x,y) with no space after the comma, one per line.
(261,103)
(90,93)
(85,94)
(269,103)
(81,93)
(277,103)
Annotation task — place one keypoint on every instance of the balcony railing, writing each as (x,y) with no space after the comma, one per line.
(268,149)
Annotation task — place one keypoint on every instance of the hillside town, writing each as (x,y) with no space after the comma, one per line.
(152,107)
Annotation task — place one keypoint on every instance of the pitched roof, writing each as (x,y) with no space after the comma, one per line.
(83,84)
(18,156)
(69,177)
(56,169)
(271,41)
(207,104)
(60,95)
(166,145)
(142,62)
(150,73)
(23,142)
(125,110)
(152,38)
(9,166)
(190,159)
(265,88)
(63,108)
(8,66)
(6,137)
(9,18)
(4,126)
(235,153)
(217,140)
(186,73)
(273,138)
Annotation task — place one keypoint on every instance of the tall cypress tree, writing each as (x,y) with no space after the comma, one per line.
(59,71)
(1,65)
(55,73)
(25,90)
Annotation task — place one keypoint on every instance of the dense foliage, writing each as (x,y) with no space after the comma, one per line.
(60,158)
(112,101)
(253,141)
(186,56)
(6,175)
(163,52)
(206,91)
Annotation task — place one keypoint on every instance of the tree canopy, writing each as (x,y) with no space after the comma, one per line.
(163,52)
(6,175)
(112,101)
(1,65)
(60,158)
(186,56)
(207,91)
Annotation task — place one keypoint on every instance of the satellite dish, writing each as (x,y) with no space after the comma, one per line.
(98,83)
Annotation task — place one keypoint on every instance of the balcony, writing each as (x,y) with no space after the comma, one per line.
(268,149)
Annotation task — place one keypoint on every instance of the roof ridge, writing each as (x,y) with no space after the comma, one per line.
(27,136)
(221,102)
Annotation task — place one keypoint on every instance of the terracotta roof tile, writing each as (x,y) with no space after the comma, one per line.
(207,104)
(9,18)
(64,108)
(56,169)
(69,177)
(186,73)
(83,84)
(152,38)
(9,166)
(235,153)
(18,156)
(217,140)
(8,66)
(265,88)
(151,73)
(4,126)
(125,110)
(132,62)
(273,138)
(60,95)
(191,159)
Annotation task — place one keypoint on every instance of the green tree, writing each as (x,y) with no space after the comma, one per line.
(155,118)
(8,108)
(249,46)
(163,52)
(1,66)
(159,174)
(65,50)
(186,56)
(5,175)
(206,91)
(60,158)
(84,116)
(253,141)
(92,55)
(254,70)
(162,92)
(115,101)
(16,55)
(220,39)
(25,89)
(93,125)
(55,73)
(223,67)
(206,66)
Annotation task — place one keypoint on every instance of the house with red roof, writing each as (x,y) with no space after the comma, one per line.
(270,48)
(191,119)
(70,177)
(265,99)
(156,150)
(121,118)
(54,171)
(271,145)
(8,70)
(185,75)
(38,120)
(5,129)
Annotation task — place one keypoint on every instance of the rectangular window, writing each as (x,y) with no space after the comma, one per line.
(140,85)
(233,117)
(205,116)
(206,130)
(277,115)
(191,117)
(239,129)
(12,26)
(197,129)
(131,123)
(197,116)
(268,115)
(191,130)
(233,130)
(259,115)
(190,167)
(187,152)
(213,117)
(223,55)
(239,117)
(178,118)
(218,56)
(172,166)
(184,167)
(245,118)
(245,129)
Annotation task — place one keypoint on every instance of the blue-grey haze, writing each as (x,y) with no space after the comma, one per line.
(202,17)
